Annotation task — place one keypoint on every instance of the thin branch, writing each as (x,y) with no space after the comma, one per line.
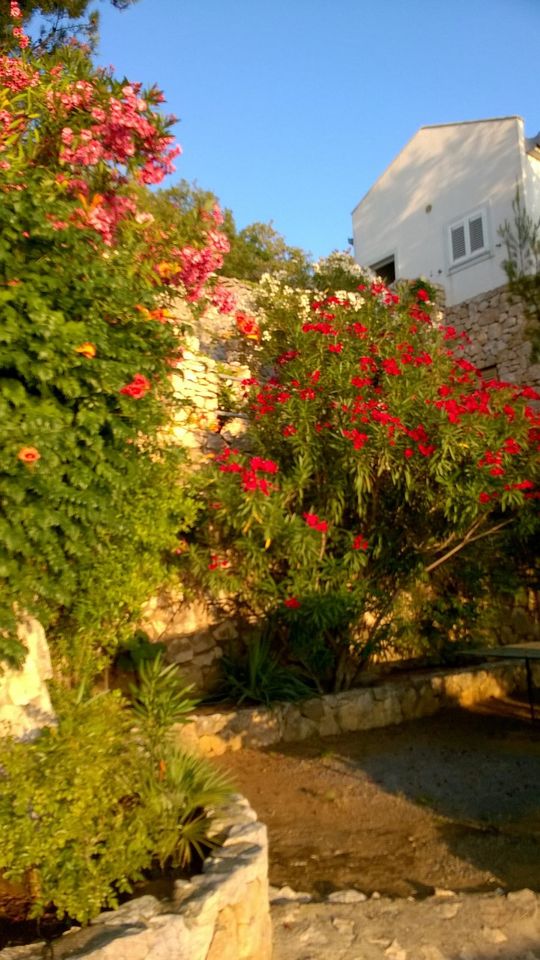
(465,542)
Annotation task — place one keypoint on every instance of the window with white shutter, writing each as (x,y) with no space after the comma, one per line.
(468,237)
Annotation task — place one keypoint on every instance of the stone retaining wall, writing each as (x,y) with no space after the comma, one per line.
(364,708)
(221,914)
(495,322)
(25,705)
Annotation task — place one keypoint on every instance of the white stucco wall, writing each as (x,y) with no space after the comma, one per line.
(454,169)
(532,187)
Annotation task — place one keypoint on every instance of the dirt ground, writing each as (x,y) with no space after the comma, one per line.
(450,801)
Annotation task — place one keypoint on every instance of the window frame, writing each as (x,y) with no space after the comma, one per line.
(480,213)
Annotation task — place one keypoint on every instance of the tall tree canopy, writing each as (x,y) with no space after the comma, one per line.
(59,20)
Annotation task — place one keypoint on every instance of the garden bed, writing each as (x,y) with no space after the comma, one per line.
(220,914)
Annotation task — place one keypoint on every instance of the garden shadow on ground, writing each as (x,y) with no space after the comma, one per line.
(479,771)
(447,801)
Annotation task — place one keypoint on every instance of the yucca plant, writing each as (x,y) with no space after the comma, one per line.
(259,676)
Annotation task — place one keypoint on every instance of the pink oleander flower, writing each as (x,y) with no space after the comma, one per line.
(223,299)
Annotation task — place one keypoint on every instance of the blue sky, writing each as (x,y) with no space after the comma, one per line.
(290,110)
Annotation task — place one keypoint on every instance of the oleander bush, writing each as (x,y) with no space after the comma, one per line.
(387,482)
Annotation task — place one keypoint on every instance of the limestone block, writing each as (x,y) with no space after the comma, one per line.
(354,711)
(297,727)
(265,726)
(255,940)
(328,726)
(25,704)
(215,746)
(409,701)
(224,944)
(313,709)
(205,658)
(386,712)
(227,630)
(428,701)
(23,686)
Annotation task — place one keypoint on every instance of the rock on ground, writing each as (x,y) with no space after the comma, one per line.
(444,927)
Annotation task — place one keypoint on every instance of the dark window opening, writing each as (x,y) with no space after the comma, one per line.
(385,269)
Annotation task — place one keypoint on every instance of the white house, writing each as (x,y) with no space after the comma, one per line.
(436,210)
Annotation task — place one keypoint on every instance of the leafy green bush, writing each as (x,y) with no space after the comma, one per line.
(90,805)
(159,701)
(90,486)
(73,826)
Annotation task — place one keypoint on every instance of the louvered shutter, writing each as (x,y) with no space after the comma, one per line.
(476,234)
(458,242)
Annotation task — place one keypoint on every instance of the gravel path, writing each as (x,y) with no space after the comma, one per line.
(445,927)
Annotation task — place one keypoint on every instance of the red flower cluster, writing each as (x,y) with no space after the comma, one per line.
(322,327)
(249,476)
(266,466)
(315,522)
(287,357)
(360,543)
(248,326)
(137,388)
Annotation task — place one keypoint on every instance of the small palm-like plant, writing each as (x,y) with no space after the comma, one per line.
(181,801)
(180,792)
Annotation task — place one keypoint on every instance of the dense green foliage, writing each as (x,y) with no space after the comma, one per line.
(258,676)
(254,250)
(380,461)
(91,804)
(90,489)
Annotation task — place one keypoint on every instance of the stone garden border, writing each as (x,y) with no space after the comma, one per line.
(364,708)
(221,914)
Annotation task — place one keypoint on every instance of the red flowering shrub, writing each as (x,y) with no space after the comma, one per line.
(88,507)
(393,457)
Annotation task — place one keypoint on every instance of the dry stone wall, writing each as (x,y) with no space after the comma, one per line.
(196,635)
(496,323)
(418,695)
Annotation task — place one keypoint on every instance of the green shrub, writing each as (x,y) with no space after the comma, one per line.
(72,823)
(90,805)
(260,677)
(90,482)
